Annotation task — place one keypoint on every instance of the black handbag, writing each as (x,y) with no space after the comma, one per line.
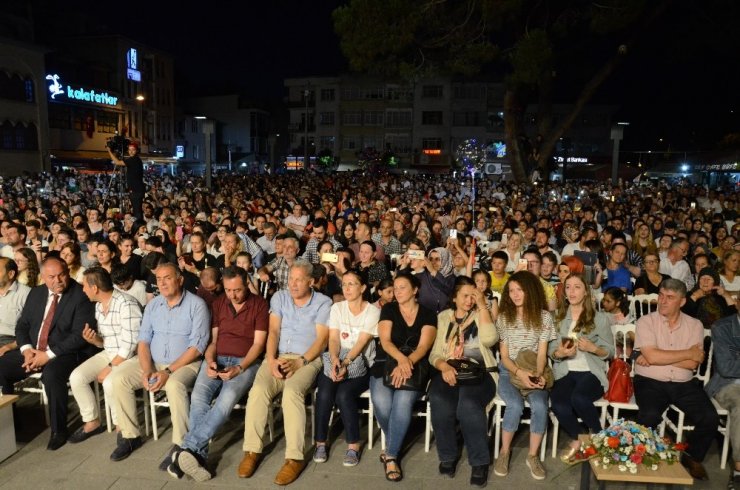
(469,371)
(419,375)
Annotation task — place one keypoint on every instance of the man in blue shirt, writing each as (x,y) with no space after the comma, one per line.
(298,334)
(725,383)
(174,334)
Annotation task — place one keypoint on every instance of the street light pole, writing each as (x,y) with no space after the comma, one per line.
(140,98)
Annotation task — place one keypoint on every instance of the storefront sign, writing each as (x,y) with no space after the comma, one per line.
(132,65)
(571,159)
(56,89)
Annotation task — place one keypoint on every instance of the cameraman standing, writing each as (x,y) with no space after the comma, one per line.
(134,175)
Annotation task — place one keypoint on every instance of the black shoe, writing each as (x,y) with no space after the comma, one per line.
(167,461)
(695,468)
(479,476)
(174,470)
(57,440)
(448,468)
(125,448)
(734,483)
(80,435)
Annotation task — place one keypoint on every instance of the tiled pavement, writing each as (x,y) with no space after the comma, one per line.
(87,465)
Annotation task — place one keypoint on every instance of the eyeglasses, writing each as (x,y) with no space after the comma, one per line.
(652,261)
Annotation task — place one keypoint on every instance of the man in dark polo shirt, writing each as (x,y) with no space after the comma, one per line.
(239,324)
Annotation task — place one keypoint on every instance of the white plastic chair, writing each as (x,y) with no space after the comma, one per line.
(426,413)
(680,426)
(642,304)
(365,411)
(498,420)
(724,430)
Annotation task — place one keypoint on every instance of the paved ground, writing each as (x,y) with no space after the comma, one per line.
(87,465)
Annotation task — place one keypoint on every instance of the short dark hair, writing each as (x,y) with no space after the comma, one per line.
(500,254)
(120,274)
(97,276)
(232,272)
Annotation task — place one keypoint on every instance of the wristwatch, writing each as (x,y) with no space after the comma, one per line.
(305,361)
(168,371)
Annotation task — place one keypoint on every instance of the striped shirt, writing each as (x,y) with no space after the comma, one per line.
(517,337)
(119,328)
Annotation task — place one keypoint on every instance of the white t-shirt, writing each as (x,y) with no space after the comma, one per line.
(730,286)
(579,362)
(350,326)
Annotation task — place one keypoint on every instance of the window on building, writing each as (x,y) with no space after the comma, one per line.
(431,143)
(352,118)
(29,90)
(351,142)
(372,141)
(398,118)
(469,91)
(431,118)
(60,116)
(12,87)
(7,135)
(327,94)
(399,94)
(374,93)
(350,93)
(398,143)
(194,126)
(196,152)
(326,119)
(432,91)
(373,118)
(466,119)
(107,122)
(79,120)
(326,142)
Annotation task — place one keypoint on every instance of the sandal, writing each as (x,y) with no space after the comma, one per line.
(382,458)
(392,475)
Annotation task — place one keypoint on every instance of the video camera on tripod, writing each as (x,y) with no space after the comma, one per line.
(118,144)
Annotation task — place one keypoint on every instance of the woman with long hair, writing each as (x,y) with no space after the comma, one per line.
(570,264)
(71,254)
(513,249)
(644,243)
(523,323)
(728,273)
(579,357)
(29,272)
(464,330)
(404,324)
(127,257)
(353,324)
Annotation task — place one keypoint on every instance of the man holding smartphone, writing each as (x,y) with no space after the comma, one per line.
(238,337)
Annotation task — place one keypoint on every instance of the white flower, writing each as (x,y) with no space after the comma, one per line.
(654,467)
(633,470)
(662,455)
(622,468)
(596,463)
(606,460)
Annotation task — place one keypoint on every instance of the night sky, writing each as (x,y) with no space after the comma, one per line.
(679,83)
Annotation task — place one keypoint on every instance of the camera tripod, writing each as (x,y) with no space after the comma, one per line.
(119,177)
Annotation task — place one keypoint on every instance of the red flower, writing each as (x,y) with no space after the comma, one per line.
(636,458)
(613,442)
(640,449)
(590,451)
(681,446)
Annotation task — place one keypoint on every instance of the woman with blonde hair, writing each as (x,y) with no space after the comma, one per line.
(644,243)
(513,249)
(579,355)
(523,323)
(728,273)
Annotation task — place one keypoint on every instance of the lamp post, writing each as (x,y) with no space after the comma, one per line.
(141,99)
(617,133)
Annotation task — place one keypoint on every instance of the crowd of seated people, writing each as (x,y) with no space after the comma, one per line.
(279,289)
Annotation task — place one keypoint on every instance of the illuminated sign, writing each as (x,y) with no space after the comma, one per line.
(81,94)
(180,151)
(571,160)
(132,65)
(432,152)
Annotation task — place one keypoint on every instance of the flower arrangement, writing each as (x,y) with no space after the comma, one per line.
(628,445)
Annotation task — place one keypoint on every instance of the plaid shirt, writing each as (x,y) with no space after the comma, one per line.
(280,270)
(393,247)
(120,327)
(311,253)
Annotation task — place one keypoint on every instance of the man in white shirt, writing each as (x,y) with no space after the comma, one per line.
(586,235)
(15,239)
(12,298)
(297,221)
(675,265)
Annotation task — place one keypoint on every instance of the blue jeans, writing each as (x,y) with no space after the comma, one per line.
(393,409)
(515,405)
(345,394)
(573,396)
(206,419)
(467,404)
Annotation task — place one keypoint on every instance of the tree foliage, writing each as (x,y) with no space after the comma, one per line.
(526,42)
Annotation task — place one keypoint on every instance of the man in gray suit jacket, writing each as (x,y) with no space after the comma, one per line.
(725,383)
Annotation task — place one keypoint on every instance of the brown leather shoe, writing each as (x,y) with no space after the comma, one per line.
(695,468)
(290,471)
(249,464)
